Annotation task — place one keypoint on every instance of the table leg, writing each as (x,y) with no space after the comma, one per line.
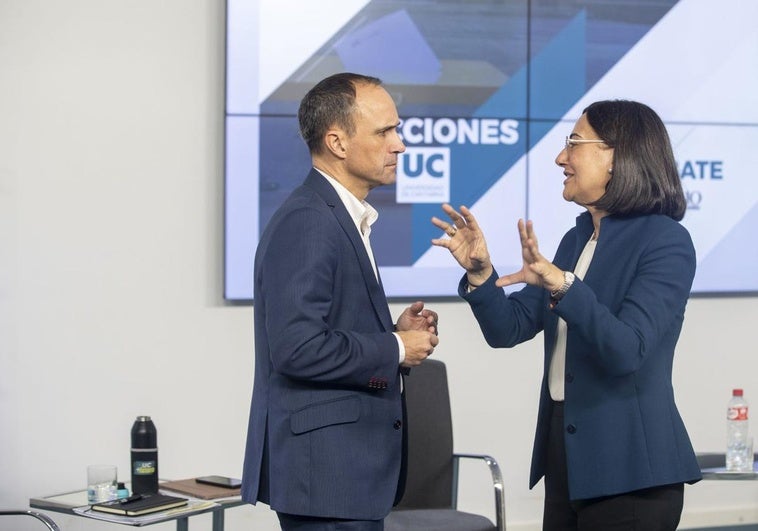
(218,520)
(182,524)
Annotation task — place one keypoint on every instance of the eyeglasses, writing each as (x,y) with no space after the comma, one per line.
(570,142)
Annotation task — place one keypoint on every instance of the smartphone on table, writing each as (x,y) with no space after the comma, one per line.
(220,481)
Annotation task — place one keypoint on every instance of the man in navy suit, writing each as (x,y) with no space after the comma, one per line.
(325,437)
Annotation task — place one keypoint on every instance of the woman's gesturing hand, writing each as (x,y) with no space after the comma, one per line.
(536,269)
(465,242)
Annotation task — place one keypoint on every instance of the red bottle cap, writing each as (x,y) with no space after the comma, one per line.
(736,392)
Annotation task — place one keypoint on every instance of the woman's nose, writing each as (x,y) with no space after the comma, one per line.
(562,157)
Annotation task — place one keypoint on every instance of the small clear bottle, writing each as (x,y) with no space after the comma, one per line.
(737,433)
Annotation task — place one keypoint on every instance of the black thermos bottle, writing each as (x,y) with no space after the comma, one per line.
(144,456)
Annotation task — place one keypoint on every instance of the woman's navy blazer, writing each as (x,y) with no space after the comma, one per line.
(623,430)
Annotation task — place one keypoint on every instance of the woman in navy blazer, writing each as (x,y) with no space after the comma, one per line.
(610,442)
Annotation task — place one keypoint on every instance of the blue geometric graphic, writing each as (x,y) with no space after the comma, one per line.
(556,85)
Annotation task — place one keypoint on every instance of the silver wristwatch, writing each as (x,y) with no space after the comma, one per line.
(568,279)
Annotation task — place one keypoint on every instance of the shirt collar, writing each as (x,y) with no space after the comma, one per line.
(362,213)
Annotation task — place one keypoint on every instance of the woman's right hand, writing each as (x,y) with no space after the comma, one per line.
(465,242)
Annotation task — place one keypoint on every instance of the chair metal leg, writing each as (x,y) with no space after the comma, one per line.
(497,485)
(49,523)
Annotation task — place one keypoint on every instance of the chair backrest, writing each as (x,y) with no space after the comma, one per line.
(429,482)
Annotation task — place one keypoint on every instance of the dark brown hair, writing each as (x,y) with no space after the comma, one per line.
(330,102)
(645,179)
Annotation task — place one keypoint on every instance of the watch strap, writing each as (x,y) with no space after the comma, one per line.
(568,280)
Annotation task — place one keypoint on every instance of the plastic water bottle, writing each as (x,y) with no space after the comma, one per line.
(144,456)
(737,434)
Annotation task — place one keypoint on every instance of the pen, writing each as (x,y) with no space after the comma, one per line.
(133,497)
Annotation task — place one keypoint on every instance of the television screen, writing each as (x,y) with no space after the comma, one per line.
(486,92)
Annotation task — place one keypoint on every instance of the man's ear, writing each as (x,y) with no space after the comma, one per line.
(335,141)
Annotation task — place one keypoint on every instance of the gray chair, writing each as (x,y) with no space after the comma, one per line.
(431,491)
(49,523)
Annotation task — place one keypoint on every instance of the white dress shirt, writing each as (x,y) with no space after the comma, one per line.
(557,372)
(363,215)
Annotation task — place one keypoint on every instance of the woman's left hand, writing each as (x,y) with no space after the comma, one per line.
(536,270)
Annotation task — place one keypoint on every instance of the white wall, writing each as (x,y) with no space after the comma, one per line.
(111,156)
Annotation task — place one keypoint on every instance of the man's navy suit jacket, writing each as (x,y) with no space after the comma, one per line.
(325,430)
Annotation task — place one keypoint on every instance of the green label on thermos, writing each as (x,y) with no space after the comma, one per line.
(144,468)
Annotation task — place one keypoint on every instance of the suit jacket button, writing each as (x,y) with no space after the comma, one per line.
(569,377)
(571,428)
(398,424)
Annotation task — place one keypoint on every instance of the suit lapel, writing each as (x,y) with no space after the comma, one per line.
(379,300)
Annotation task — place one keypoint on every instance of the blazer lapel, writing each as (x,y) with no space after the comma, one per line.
(376,292)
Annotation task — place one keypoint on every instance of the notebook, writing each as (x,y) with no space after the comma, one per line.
(190,487)
(140,504)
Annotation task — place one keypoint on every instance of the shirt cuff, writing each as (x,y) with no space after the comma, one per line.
(400,347)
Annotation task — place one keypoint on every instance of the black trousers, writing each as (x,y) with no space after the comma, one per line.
(293,522)
(653,509)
